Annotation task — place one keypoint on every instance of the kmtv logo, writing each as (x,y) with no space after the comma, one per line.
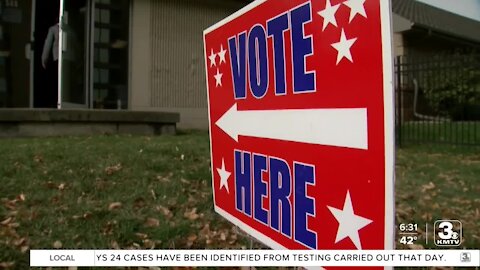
(448,232)
(296,149)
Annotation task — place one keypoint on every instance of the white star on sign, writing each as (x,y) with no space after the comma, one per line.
(218,78)
(224,175)
(348,223)
(356,7)
(343,47)
(212,59)
(221,54)
(328,14)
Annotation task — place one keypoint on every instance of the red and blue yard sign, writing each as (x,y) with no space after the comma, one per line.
(301,122)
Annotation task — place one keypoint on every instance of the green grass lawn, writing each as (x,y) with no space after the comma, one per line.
(108,192)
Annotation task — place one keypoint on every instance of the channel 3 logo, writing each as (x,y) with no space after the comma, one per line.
(448,233)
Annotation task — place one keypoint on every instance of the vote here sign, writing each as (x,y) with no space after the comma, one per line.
(301,122)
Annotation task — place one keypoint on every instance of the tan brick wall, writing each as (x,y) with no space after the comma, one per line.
(168,68)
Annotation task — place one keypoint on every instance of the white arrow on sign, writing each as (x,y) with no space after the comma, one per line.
(334,127)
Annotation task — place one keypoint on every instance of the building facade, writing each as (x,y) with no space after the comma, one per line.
(138,55)
(142,55)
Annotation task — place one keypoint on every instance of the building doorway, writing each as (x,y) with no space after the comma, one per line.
(44,84)
(91,70)
(70,59)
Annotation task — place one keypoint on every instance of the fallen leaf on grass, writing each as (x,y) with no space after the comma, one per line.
(191,239)
(149,244)
(233,239)
(6,221)
(21,197)
(192,214)
(165,211)
(114,245)
(14,225)
(57,244)
(5,265)
(114,205)
(205,230)
(154,196)
(428,187)
(163,179)
(152,222)
(24,249)
(38,158)
(223,236)
(108,227)
(11,204)
(61,186)
(142,235)
(19,242)
(113,169)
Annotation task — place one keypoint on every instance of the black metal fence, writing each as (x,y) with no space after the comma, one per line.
(438,99)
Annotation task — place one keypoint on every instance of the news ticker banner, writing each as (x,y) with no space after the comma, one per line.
(259,258)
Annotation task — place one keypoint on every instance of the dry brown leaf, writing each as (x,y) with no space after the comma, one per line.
(61,186)
(147,243)
(428,186)
(191,214)
(24,249)
(6,265)
(205,230)
(21,197)
(113,169)
(165,211)
(114,205)
(152,222)
(192,238)
(57,244)
(114,245)
(142,235)
(11,204)
(163,179)
(38,158)
(7,221)
(19,242)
